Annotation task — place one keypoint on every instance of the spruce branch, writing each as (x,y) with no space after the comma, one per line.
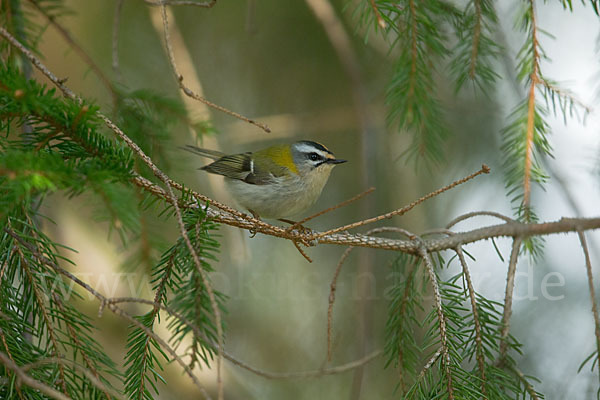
(38,294)
(29,381)
(105,303)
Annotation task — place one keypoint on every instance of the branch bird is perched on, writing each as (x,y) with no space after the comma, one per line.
(277,182)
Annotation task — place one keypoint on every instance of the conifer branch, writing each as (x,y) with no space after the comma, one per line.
(44,312)
(437,298)
(105,303)
(29,381)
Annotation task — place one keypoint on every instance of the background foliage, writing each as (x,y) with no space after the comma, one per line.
(414,93)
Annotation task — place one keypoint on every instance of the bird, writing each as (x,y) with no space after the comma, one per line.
(277,182)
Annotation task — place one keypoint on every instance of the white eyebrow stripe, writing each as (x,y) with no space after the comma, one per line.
(305,148)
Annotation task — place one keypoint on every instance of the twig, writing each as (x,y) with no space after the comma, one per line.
(91,375)
(45,315)
(590,276)
(333,284)
(340,205)
(532,393)
(429,364)
(91,372)
(477,214)
(79,50)
(188,91)
(484,170)
(478,340)
(508,296)
(29,381)
(308,374)
(3,338)
(380,20)
(530,133)
(297,245)
(424,254)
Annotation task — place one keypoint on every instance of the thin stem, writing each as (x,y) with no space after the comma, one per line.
(478,337)
(530,134)
(484,170)
(333,284)
(508,296)
(590,276)
(378,16)
(188,91)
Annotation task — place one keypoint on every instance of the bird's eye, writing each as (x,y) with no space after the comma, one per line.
(314,157)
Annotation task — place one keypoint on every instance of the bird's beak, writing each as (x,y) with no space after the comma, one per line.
(335,161)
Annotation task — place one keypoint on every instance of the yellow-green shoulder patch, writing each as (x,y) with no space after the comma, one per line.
(280,155)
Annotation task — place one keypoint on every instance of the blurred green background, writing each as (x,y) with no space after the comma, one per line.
(272,61)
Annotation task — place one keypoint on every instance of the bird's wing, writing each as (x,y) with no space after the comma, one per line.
(213,154)
(242,167)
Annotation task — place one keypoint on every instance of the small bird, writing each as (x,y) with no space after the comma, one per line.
(277,182)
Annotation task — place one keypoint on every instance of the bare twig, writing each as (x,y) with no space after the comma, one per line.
(333,284)
(484,170)
(297,245)
(188,91)
(29,381)
(530,390)
(340,205)
(308,374)
(78,49)
(590,276)
(508,296)
(476,214)
(437,297)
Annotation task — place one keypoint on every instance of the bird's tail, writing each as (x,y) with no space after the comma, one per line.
(212,154)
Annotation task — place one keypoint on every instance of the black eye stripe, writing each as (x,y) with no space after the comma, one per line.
(314,157)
